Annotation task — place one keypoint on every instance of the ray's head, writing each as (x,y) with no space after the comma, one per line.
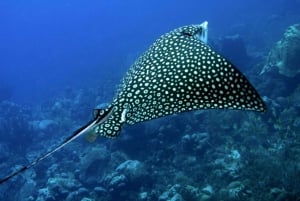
(199,31)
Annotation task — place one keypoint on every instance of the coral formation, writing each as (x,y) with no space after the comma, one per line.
(285,56)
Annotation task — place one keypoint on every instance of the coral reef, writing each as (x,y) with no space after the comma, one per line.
(285,56)
(15,127)
(92,164)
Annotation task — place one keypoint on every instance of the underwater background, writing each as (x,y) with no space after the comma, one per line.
(60,59)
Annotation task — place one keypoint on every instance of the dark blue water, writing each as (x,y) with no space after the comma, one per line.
(61,58)
(47,46)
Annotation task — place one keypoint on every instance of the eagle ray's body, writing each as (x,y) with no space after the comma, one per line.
(178,73)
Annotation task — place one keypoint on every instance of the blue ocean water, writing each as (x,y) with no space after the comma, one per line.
(48,45)
(60,59)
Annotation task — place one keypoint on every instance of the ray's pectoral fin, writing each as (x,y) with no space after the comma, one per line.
(104,115)
(111,126)
(91,135)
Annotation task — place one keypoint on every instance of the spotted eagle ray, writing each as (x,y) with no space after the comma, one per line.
(178,73)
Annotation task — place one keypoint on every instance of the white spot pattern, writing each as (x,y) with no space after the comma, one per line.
(179,73)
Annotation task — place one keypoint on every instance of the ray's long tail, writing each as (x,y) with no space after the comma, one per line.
(69,139)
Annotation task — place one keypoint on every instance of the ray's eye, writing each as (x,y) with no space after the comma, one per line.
(185,33)
(200,30)
(97,113)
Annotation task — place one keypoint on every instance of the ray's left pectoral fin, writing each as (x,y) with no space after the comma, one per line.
(107,126)
(111,126)
(110,129)
(99,117)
